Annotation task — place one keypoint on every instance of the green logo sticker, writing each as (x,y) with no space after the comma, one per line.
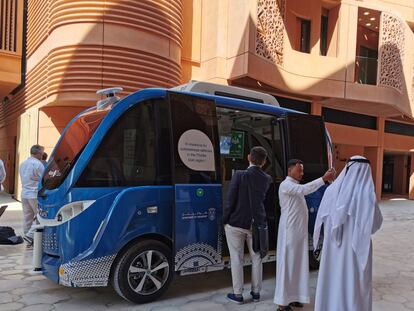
(200,192)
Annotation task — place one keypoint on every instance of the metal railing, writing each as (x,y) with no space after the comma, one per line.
(366,70)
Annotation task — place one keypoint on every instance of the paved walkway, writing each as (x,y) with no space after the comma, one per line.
(393,277)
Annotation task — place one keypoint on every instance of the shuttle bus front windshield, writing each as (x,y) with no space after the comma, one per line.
(70,147)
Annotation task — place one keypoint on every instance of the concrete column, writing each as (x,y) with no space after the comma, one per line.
(376,156)
(316,109)
(411,187)
(380,156)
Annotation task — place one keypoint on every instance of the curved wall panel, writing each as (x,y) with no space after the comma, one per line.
(147,56)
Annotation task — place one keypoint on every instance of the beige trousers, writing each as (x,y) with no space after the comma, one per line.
(30,211)
(236,237)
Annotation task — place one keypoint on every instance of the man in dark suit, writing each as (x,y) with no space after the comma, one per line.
(238,213)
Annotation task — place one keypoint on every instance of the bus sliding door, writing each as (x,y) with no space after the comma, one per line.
(306,140)
(198,202)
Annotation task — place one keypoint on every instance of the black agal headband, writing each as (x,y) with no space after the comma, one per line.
(349,164)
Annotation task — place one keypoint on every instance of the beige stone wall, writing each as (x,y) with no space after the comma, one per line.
(27,135)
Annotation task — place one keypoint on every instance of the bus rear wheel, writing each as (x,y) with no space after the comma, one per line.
(143,273)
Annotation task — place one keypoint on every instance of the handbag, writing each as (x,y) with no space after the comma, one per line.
(8,236)
(260,232)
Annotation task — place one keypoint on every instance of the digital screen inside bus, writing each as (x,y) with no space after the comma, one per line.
(225,144)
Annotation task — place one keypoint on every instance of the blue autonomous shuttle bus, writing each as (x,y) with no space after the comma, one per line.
(133,192)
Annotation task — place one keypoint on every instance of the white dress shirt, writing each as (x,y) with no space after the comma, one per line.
(31,172)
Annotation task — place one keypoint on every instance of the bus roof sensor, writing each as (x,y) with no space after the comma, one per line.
(110,98)
(227,91)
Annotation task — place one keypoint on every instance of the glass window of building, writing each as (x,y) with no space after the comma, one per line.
(324,32)
(305,34)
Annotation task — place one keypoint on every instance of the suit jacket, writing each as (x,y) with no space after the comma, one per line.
(237,211)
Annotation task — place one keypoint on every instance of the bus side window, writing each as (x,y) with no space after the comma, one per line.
(191,114)
(127,154)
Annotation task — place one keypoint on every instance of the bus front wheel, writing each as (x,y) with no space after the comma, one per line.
(143,273)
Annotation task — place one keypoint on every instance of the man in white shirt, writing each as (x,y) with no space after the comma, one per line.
(292,261)
(2,175)
(31,171)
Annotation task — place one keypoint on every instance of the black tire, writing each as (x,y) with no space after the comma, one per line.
(134,281)
(314,260)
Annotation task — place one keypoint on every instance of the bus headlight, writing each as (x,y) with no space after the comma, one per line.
(73,209)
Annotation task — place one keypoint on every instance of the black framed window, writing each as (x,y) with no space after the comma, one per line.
(399,128)
(324,35)
(366,64)
(305,34)
(294,104)
(349,118)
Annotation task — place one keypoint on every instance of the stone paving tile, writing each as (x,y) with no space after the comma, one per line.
(35,278)
(24,267)
(39,307)
(387,306)
(13,271)
(9,264)
(50,297)
(25,290)
(14,277)
(393,279)
(6,298)
(11,306)
(8,285)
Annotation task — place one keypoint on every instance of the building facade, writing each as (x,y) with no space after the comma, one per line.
(351,61)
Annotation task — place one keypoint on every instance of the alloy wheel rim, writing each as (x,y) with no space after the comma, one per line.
(148,272)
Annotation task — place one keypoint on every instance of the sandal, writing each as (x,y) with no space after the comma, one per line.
(296,304)
(288,308)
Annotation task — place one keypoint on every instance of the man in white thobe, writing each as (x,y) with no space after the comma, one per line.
(350,215)
(292,261)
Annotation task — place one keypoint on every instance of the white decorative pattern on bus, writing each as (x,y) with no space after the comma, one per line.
(87,273)
(196,256)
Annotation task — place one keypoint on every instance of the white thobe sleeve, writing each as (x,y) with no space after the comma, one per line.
(296,189)
(377,219)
